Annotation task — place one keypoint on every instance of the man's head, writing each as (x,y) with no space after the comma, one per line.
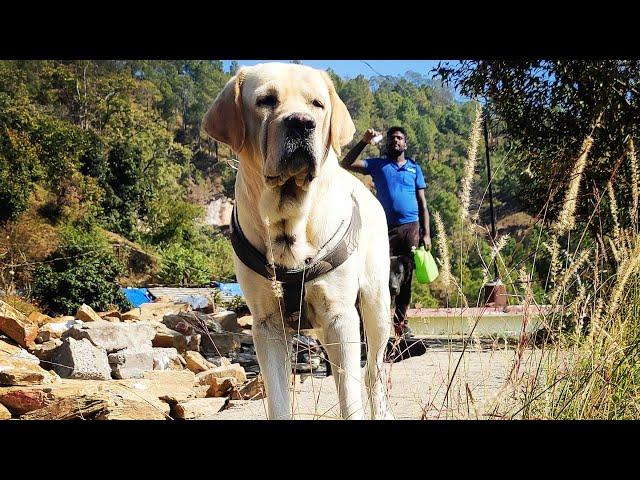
(396,141)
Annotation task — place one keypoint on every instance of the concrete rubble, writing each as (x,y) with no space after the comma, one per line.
(161,361)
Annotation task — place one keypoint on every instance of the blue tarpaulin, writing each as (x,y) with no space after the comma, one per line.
(230,288)
(137,296)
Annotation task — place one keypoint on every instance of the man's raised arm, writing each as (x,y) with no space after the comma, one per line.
(350,161)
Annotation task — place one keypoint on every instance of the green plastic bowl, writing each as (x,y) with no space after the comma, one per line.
(426,268)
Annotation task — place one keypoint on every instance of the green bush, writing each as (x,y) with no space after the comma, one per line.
(181,265)
(82,270)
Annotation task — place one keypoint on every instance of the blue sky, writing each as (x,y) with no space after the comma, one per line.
(353,68)
(368,68)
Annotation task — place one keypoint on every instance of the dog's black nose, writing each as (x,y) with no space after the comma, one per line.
(300,122)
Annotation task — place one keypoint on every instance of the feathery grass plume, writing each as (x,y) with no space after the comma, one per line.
(568,273)
(276,286)
(525,280)
(624,272)
(613,206)
(635,183)
(486,276)
(614,251)
(470,164)
(566,219)
(553,247)
(498,246)
(625,245)
(443,248)
(577,306)
(597,314)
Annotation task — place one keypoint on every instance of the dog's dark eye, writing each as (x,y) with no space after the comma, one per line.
(268,101)
(318,103)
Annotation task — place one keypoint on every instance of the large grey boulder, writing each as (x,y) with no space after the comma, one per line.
(113,336)
(131,362)
(82,360)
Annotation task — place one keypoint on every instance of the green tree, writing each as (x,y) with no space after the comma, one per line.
(82,270)
(546,108)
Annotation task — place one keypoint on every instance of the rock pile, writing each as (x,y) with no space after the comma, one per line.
(161,361)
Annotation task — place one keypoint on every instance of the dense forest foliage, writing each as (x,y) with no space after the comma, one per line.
(104,174)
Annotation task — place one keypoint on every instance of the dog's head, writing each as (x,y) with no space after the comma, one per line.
(401,267)
(285,116)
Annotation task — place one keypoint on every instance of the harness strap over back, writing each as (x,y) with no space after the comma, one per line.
(293,280)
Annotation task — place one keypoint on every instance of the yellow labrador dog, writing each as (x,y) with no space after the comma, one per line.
(310,241)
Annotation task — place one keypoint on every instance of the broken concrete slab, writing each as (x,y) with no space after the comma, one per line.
(218,361)
(39,319)
(25,355)
(17,326)
(127,409)
(82,360)
(157,310)
(199,322)
(8,348)
(131,315)
(228,320)
(219,322)
(137,390)
(246,322)
(253,390)
(85,407)
(198,408)
(55,329)
(20,400)
(46,352)
(110,313)
(87,314)
(113,336)
(18,371)
(234,370)
(167,338)
(197,363)
(245,359)
(169,385)
(167,359)
(221,387)
(220,344)
(131,362)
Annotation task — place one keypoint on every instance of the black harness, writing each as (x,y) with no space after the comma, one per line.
(293,280)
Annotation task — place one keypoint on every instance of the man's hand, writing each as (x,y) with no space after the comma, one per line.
(426,241)
(369,135)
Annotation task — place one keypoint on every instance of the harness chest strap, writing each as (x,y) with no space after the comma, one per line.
(293,280)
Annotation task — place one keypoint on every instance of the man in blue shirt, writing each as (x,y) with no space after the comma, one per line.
(400,188)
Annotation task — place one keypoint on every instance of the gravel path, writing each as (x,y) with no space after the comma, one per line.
(417,386)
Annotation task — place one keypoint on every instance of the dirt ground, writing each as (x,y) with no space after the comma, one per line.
(417,386)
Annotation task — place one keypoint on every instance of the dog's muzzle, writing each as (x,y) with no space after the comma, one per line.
(297,157)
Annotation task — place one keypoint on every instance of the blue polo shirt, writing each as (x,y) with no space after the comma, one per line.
(396,188)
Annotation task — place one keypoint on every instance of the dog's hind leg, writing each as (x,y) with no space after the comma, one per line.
(377,323)
(271,345)
(342,342)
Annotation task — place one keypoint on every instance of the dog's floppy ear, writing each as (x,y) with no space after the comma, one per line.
(224,120)
(342,127)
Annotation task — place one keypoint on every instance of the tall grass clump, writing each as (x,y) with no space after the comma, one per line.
(592,368)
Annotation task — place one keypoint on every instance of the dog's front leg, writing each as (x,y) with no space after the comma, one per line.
(271,345)
(342,335)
